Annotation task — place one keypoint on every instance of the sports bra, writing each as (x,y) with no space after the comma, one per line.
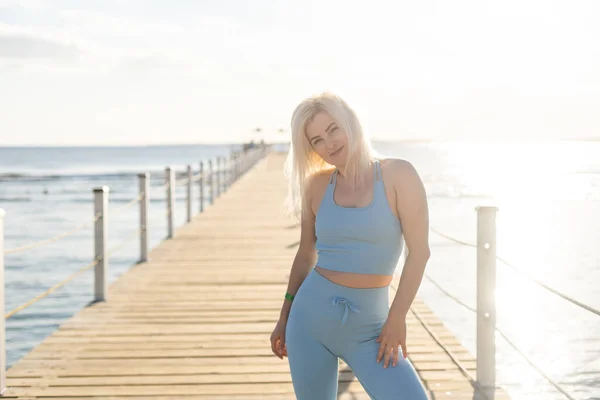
(363,240)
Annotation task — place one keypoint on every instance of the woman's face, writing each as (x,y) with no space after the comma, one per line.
(327,139)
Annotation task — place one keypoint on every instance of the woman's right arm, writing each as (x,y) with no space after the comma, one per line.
(306,256)
(305,259)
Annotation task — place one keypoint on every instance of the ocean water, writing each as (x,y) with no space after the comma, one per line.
(548,199)
(548,196)
(48,191)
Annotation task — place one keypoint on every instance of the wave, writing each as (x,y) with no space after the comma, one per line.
(14,199)
(28,177)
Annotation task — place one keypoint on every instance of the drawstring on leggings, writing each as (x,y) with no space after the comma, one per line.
(336,300)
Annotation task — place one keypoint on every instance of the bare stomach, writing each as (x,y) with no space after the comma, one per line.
(359,281)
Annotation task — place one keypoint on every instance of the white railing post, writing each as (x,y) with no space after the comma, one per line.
(486,288)
(223,174)
(229,170)
(190,176)
(211,181)
(170,183)
(201,184)
(220,170)
(100,243)
(144,207)
(225,170)
(235,165)
(218,176)
(3,351)
(226,176)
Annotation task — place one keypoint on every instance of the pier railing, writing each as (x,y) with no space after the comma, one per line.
(485,308)
(214,175)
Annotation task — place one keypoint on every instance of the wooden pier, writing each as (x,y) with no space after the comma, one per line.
(194,321)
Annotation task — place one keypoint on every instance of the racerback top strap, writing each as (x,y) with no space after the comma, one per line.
(364,240)
(376,173)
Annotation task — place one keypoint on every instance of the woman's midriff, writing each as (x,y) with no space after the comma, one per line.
(359,281)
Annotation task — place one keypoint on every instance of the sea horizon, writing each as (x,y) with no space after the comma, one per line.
(286,141)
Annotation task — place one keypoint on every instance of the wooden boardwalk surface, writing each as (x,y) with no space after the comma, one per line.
(194,322)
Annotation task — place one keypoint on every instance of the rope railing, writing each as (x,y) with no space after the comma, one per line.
(52,239)
(183,181)
(504,336)
(219,169)
(456,299)
(73,231)
(195,178)
(550,289)
(71,277)
(52,289)
(127,205)
(453,357)
(127,239)
(217,181)
(452,238)
(525,274)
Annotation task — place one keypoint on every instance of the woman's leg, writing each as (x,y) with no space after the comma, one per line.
(392,383)
(313,367)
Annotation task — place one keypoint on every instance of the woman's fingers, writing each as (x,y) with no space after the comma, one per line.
(395,356)
(388,357)
(281,346)
(381,351)
(389,354)
(274,344)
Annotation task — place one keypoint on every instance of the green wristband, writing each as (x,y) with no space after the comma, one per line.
(289,297)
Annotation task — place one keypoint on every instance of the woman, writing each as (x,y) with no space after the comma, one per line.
(353,219)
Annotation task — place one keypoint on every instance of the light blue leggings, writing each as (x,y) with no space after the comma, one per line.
(328,321)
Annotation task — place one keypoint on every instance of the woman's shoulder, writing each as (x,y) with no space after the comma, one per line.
(396,165)
(398,170)
(318,178)
(316,182)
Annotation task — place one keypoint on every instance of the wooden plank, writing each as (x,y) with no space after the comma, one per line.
(74,369)
(187,389)
(262,351)
(215,343)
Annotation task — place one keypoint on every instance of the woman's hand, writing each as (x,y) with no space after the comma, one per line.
(392,336)
(278,338)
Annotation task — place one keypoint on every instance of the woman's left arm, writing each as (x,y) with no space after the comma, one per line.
(412,208)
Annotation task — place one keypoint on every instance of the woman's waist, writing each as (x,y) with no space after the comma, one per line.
(355,280)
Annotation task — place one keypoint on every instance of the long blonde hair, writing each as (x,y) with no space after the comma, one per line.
(302,161)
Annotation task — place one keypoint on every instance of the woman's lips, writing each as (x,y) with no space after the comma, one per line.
(336,152)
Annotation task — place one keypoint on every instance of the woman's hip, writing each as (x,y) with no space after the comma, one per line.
(329,306)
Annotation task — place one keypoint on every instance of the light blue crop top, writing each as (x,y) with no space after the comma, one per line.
(363,240)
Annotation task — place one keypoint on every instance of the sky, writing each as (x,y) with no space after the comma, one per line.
(128,72)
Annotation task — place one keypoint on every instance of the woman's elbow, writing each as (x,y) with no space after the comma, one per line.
(422,253)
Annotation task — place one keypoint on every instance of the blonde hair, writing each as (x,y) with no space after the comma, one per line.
(303,162)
